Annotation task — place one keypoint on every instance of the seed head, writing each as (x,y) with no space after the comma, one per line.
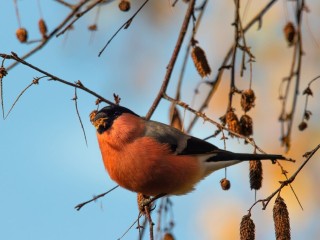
(200,61)
(247,99)
(3,72)
(168,236)
(93,27)
(289,33)
(43,28)
(247,228)
(124,5)
(22,35)
(256,174)
(232,122)
(302,126)
(225,184)
(246,125)
(281,220)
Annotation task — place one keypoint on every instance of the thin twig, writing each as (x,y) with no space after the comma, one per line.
(55,78)
(78,114)
(173,59)
(78,16)
(75,9)
(79,206)
(124,26)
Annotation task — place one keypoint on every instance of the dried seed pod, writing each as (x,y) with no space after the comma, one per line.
(200,61)
(124,5)
(168,236)
(3,72)
(247,228)
(232,122)
(247,99)
(302,126)
(93,27)
(175,120)
(281,220)
(225,184)
(43,28)
(22,35)
(256,174)
(289,33)
(246,125)
(141,199)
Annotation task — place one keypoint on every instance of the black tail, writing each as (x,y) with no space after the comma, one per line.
(225,156)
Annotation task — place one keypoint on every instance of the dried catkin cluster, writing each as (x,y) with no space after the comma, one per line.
(200,61)
(289,33)
(247,228)
(281,219)
(256,174)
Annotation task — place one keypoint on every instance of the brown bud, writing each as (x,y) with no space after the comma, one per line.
(3,72)
(93,27)
(43,28)
(246,125)
(225,184)
(142,202)
(200,61)
(281,220)
(247,228)
(247,99)
(302,126)
(232,122)
(22,35)
(289,33)
(175,119)
(256,174)
(124,5)
(308,91)
(168,236)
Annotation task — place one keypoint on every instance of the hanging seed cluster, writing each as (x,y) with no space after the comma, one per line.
(281,219)
(247,228)
(225,184)
(3,72)
(200,61)
(289,33)
(256,174)
(124,5)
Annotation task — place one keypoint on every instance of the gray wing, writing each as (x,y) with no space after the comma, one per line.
(179,143)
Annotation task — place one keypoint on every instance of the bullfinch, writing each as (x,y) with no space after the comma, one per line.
(155,159)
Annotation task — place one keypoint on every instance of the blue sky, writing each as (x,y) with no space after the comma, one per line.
(46,168)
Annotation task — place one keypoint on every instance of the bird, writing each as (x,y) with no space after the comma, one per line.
(156,159)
